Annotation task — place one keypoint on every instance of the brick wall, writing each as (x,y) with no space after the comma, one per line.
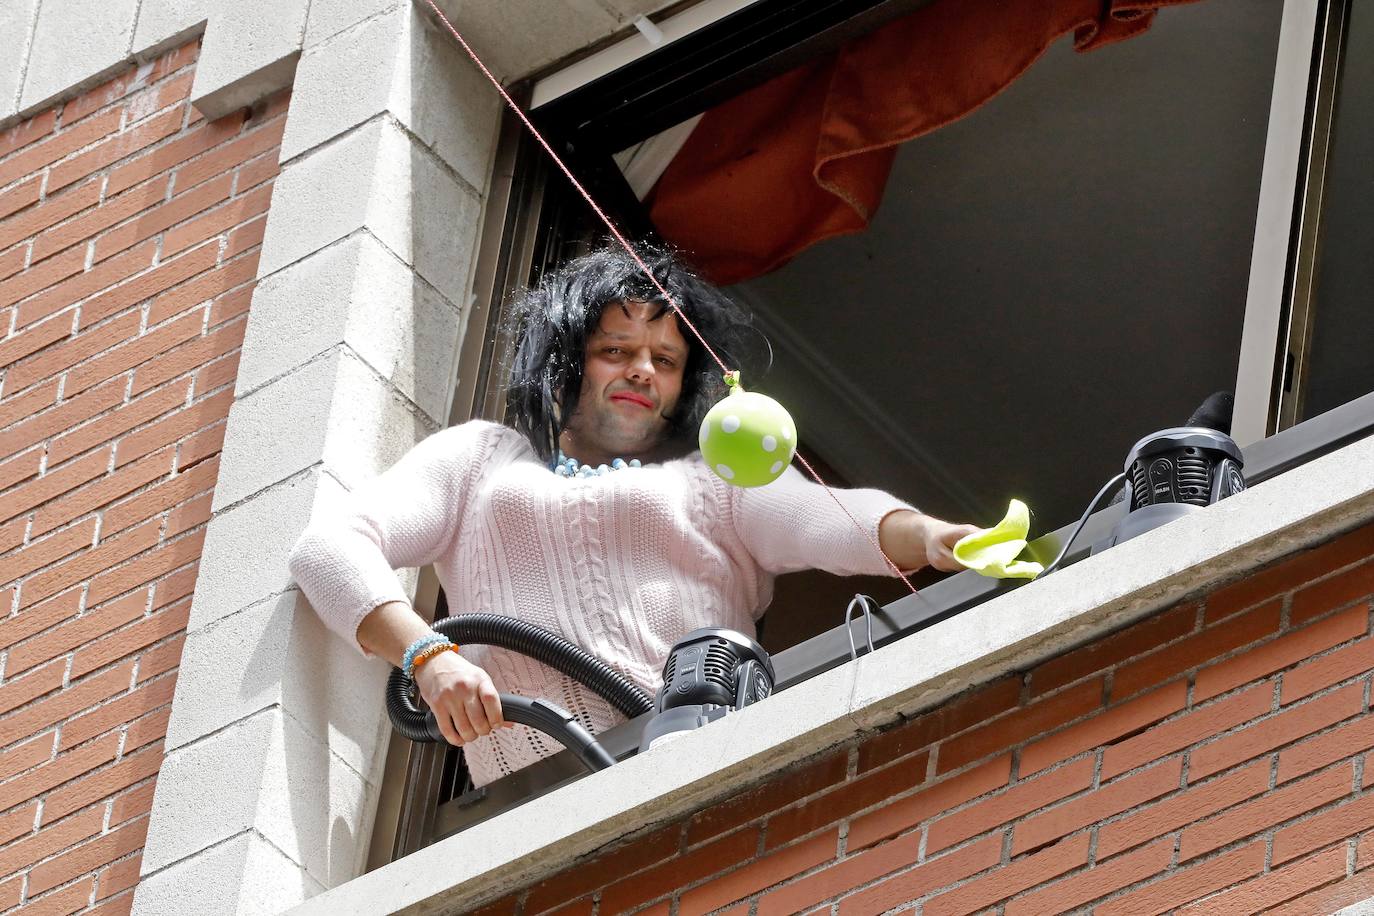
(129,235)
(1217,751)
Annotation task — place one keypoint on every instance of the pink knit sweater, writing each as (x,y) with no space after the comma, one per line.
(623,565)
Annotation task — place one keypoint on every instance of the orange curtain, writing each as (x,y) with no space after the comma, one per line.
(806,155)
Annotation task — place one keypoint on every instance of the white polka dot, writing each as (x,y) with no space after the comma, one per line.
(769,443)
(777,466)
(787,434)
(729,423)
(725,471)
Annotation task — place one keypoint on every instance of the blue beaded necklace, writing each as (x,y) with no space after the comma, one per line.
(571,467)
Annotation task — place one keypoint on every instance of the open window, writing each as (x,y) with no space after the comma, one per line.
(1059,271)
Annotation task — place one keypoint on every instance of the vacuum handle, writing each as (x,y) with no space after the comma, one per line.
(552,720)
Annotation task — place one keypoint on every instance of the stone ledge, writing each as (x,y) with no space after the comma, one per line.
(1015,630)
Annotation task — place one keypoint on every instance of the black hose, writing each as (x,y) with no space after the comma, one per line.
(515,635)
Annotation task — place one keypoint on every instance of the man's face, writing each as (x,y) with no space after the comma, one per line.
(631,381)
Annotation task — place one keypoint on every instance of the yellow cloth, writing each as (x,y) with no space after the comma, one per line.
(992,552)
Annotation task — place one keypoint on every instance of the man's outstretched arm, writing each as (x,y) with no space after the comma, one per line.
(912,539)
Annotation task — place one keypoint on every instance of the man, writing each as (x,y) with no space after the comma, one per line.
(590,517)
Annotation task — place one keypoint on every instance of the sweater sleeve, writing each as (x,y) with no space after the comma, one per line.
(345,561)
(793,524)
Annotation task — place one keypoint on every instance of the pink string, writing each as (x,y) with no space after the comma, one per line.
(667,297)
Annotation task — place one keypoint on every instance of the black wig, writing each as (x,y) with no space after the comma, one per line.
(550,325)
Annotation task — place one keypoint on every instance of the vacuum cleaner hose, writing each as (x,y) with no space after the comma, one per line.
(541,645)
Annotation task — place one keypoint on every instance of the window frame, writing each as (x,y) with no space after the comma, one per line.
(525,212)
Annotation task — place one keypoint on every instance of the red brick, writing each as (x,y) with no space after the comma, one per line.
(20,468)
(114,148)
(218,221)
(120,358)
(53,484)
(1011,879)
(177,300)
(1290,572)
(193,142)
(217,374)
(930,875)
(32,340)
(149,729)
(1297,722)
(1262,813)
(244,237)
(1327,671)
(234,303)
(11,536)
(1364,852)
(1281,653)
(1345,820)
(1212,642)
(19,691)
(1180,732)
(1330,898)
(1023,797)
(850,872)
(40,276)
(117,712)
(180,207)
(202,413)
(63,143)
(17,136)
(1105,728)
(166,275)
(230,155)
(26,755)
(761,873)
(1189,884)
(80,695)
(169,556)
(1353,585)
(54,209)
(1101,654)
(130,639)
(64,416)
(62,639)
(778,792)
(202,446)
(68,353)
(51,839)
(1099,881)
(88,562)
(39,617)
(106,93)
(1276,887)
(1314,753)
(103,492)
(101,276)
(11,892)
(162,495)
(189,356)
(46,551)
(132,802)
(88,857)
(161,658)
(863,792)
(129,771)
(685,869)
(1037,718)
(609,865)
(156,98)
(952,717)
(1197,802)
(18,822)
(20,196)
(904,813)
(118,877)
(64,768)
(506,906)
(255,172)
(118,421)
(61,902)
(1100,804)
(118,906)
(13,261)
(112,211)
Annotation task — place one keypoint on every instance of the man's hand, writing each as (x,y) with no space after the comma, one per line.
(463,699)
(914,540)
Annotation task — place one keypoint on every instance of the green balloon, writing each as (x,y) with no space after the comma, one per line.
(748,439)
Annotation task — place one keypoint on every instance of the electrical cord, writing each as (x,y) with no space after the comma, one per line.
(1092,507)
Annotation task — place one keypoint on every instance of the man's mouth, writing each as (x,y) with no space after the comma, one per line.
(633,398)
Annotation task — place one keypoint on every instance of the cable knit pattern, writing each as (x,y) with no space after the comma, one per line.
(624,564)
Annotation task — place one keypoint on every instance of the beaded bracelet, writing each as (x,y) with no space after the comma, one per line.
(424,642)
(426,654)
